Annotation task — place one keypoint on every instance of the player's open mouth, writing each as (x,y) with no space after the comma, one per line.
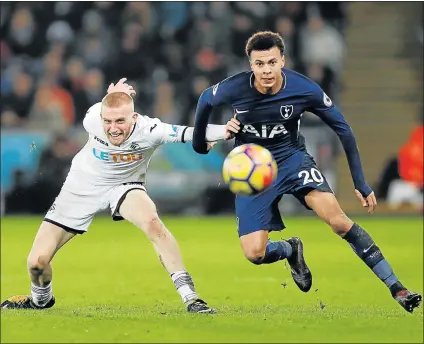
(114,135)
(268,79)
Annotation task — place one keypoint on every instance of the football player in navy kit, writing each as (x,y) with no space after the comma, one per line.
(268,102)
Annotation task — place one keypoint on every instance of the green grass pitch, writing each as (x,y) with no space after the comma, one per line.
(110,286)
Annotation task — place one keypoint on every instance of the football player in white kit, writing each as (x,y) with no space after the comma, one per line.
(109,173)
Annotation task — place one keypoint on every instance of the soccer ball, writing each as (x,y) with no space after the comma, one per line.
(249,169)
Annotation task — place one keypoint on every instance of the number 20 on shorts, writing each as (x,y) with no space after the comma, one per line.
(311,176)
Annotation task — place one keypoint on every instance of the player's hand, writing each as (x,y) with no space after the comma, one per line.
(210,145)
(121,86)
(231,128)
(369,202)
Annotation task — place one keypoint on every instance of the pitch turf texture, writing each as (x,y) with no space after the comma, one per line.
(110,286)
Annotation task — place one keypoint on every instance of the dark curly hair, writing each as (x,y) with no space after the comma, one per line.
(264,40)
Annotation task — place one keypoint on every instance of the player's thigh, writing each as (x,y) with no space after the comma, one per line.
(48,240)
(327,207)
(304,177)
(258,213)
(120,193)
(138,208)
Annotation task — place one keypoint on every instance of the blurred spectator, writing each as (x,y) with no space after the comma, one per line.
(96,43)
(53,108)
(93,91)
(132,62)
(173,61)
(390,173)
(15,106)
(143,13)
(74,75)
(333,12)
(411,158)
(254,9)
(295,10)
(242,29)
(55,160)
(173,16)
(285,27)
(221,15)
(321,44)
(407,186)
(71,12)
(60,32)
(165,107)
(108,11)
(24,35)
(52,66)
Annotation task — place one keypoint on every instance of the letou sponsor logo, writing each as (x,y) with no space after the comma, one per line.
(117,157)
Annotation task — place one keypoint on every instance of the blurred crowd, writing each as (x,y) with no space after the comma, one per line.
(58,57)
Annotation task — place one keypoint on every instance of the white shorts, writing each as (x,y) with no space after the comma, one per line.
(74,210)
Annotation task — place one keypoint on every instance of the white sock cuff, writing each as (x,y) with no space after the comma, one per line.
(177,274)
(46,288)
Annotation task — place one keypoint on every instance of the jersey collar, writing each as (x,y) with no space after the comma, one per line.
(252,80)
(135,124)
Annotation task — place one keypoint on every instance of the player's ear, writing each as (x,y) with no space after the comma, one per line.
(283,60)
(134,117)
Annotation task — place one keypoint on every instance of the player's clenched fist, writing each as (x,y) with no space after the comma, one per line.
(232,127)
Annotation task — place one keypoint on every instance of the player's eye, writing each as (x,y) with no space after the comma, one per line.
(259,64)
(273,62)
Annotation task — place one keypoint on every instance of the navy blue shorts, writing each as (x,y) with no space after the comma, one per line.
(297,176)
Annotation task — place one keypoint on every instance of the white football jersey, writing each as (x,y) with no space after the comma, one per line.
(101,163)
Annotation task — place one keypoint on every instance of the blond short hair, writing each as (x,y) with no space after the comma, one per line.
(117,99)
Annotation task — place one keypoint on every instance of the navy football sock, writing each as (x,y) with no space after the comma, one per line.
(369,252)
(275,251)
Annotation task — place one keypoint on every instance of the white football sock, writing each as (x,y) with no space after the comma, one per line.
(185,286)
(41,295)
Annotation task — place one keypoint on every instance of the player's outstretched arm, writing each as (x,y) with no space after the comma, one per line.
(331,115)
(219,94)
(203,111)
(168,133)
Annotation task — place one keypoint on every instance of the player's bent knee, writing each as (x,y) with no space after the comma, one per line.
(255,255)
(36,263)
(340,223)
(154,228)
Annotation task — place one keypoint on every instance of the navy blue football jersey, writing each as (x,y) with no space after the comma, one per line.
(273,120)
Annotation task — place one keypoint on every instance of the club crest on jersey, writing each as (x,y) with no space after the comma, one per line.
(134,146)
(286,111)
